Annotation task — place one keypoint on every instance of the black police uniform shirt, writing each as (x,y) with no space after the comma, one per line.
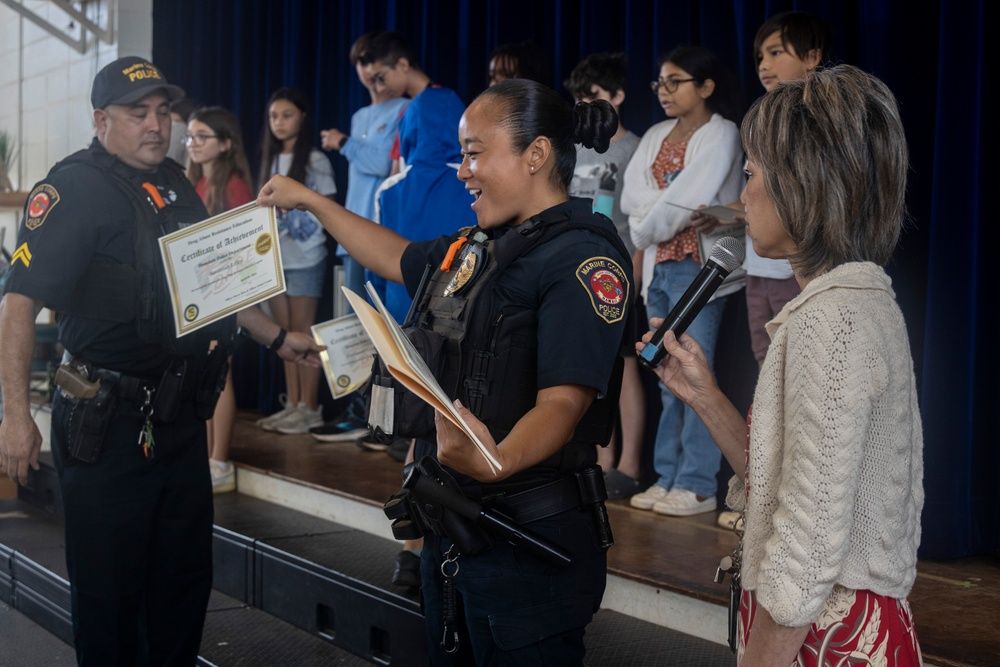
(74,216)
(567,281)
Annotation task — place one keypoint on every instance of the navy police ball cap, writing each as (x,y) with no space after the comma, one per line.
(128,80)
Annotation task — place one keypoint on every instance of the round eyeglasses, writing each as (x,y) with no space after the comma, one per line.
(669,85)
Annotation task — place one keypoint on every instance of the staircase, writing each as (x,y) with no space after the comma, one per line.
(290,587)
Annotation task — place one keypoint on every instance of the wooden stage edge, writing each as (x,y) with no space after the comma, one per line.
(954,603)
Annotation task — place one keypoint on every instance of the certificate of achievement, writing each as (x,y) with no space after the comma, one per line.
(220,266)
(348,356)
(725,214)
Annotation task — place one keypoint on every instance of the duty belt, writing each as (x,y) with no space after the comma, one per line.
(127,387)
(541,502)
(583,489)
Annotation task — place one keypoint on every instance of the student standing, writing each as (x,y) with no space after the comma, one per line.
(286,150)
(218,168)
(368,150)
(599,177)
(691,159)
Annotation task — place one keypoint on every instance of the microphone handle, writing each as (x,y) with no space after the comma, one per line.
(697,295)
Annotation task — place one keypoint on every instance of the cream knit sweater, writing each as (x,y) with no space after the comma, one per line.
(835,468)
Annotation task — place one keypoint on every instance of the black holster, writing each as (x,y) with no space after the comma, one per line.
(432,501)
(413,514)
(88,422)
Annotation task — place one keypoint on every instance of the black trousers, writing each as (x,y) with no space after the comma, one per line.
(138,540)
(515,609)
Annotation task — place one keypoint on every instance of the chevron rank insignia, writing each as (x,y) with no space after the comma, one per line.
(22,254)
(41,201)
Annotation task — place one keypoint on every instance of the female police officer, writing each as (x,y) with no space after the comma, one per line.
(532,306)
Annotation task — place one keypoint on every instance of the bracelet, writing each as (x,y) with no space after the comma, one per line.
(278,341)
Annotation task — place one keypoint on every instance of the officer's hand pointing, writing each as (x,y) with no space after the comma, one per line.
(301,348)
(283,192)
(458,452)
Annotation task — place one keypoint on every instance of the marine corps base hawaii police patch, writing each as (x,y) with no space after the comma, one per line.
(606,285)
(41,201)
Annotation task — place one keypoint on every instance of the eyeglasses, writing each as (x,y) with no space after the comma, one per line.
(669,85)
(198,139)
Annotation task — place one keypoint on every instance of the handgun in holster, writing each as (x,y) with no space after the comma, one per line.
(432,501)
(92,403)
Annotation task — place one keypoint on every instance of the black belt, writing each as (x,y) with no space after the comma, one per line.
(541,502)
(129,387)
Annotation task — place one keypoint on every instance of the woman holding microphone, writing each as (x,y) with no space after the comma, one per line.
(829,477)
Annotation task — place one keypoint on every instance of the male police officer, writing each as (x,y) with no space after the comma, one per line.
(128,433)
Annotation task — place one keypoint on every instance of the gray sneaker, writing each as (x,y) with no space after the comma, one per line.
(267,423)
(300,421)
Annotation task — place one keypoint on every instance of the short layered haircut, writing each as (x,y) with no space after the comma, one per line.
(833,155)
(801,31)
(607,70)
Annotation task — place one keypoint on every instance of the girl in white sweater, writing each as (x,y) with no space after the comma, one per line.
(830,481)
(691,159)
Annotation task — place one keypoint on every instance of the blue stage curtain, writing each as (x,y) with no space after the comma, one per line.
(235,52)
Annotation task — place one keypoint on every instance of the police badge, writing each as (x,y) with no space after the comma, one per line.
(471,266)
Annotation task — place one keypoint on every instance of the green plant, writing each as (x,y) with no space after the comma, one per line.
(8,153)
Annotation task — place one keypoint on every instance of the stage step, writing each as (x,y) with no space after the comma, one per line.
(276,568)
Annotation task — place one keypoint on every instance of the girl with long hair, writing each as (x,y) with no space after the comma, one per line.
(286,150)
(218,168)
(691,159)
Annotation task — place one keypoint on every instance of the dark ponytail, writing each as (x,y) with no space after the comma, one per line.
(529,110)
(594,123)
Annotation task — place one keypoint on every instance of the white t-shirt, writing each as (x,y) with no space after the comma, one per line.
(301,238)
(762,267)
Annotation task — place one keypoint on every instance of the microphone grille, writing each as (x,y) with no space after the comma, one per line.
(728,252)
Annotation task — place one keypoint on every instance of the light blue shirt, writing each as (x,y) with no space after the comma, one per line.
(368,153)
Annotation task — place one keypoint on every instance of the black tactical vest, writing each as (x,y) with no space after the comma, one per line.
(138,292)
(487,346)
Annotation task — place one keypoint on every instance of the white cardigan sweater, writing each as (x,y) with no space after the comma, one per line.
(712,174)
(836,450)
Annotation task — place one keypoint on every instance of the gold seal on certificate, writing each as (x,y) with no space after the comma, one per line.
(222,265)
(347,358)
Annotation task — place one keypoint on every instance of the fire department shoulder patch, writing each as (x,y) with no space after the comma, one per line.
(41,201)
(606,285)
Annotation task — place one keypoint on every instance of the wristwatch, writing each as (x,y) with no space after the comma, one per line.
(343,140)
(278,341)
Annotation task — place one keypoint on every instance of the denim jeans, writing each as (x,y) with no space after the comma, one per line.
(685,456)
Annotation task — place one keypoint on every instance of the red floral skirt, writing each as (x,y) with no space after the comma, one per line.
(854,628)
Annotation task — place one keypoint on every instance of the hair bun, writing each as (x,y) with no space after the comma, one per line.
(594,123)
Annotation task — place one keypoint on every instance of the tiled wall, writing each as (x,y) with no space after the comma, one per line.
(45,84)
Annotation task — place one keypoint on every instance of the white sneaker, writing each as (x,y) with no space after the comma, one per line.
(267,423)
(301,420)
(681,502)
(648,498)
(727,519)
(223,476)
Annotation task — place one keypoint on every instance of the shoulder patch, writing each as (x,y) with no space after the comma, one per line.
(607,286)
(41,201)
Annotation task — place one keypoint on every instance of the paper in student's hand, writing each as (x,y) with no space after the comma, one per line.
(407,366)
(724,214)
